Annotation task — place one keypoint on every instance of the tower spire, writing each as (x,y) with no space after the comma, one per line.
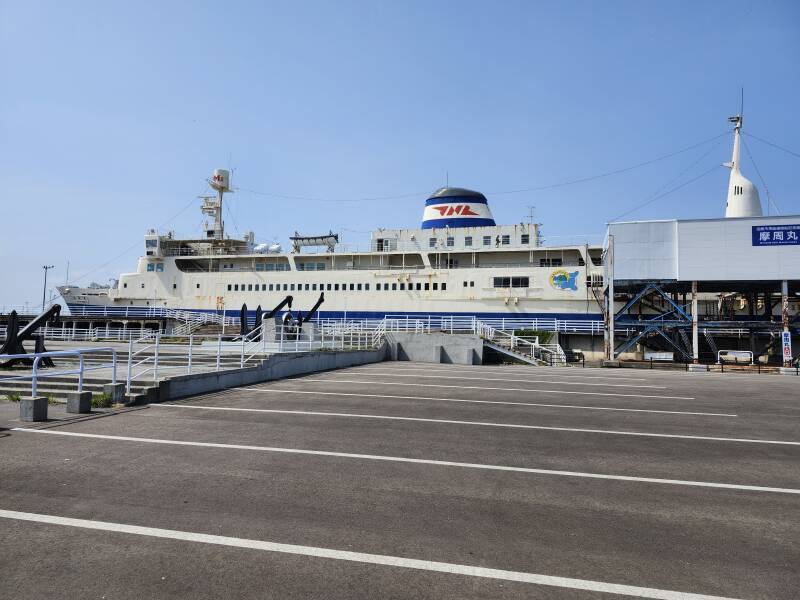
(743,200)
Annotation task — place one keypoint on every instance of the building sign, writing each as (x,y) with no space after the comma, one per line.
(787,346)
(776,235)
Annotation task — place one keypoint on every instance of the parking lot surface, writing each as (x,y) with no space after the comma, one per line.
(410,480)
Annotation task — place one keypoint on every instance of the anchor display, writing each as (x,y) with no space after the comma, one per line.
(15,337)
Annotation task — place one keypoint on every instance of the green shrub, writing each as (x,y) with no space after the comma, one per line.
(13,397)
(101,400)
(545,337)
(52,401)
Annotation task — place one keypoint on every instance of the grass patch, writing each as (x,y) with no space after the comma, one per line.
(13,397)
(52,401)
(101,400)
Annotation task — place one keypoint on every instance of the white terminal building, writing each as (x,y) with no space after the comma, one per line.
(703,286)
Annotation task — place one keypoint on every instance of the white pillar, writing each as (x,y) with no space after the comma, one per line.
(610,299)
(695,347)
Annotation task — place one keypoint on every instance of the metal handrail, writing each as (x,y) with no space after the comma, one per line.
(79,352)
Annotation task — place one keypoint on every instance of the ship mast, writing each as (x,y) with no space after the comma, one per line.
(212,207)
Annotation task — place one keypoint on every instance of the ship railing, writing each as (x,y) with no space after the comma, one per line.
(35,375)
(454,323)
(186,316)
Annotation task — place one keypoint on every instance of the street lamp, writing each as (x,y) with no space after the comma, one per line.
(44,289)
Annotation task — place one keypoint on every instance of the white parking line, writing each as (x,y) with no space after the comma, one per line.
(418,461)
(371,373)
(538,404)
(471,387)
(480,423)
(477,369)
(361,557)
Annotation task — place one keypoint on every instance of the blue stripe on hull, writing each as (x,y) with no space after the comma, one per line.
(332,314)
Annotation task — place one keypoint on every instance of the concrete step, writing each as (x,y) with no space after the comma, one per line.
(56,392)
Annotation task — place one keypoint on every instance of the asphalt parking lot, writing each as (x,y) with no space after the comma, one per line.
(409,480)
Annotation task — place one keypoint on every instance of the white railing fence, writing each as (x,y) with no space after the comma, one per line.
(35,375)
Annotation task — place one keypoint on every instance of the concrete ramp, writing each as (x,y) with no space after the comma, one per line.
(513,354)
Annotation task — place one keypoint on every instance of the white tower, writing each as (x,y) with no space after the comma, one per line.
(743,200)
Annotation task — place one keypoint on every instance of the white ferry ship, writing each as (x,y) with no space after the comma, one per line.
(459,262)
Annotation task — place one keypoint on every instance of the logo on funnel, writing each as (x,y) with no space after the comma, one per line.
(459,209)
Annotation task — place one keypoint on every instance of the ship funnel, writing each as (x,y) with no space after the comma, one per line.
(456,207)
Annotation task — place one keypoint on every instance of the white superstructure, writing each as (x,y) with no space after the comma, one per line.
(459,262)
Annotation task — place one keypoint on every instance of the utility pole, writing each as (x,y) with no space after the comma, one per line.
(44,289)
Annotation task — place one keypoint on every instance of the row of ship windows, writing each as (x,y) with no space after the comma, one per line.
(353,287)
(500,240)
(498,282)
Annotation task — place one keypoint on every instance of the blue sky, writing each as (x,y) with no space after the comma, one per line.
(113,114)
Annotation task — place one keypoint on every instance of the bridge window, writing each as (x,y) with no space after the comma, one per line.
(402,287)
(151,267)
(432,242)
(451,241)
(229,287)
(197,286)
(444,286)
(394,286)
(126,285)
(270,287)
(285,287)
(359,287)
(487,240)
(468,240)
(506,240)
(250,287)
(502,282)
(519,282)
(435,286)
(366,286)
(427,286)
(550,262)
(419,287)
(352,287)
(336,287)
(236,287)
(174,286)
(526,238)
(308,287)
